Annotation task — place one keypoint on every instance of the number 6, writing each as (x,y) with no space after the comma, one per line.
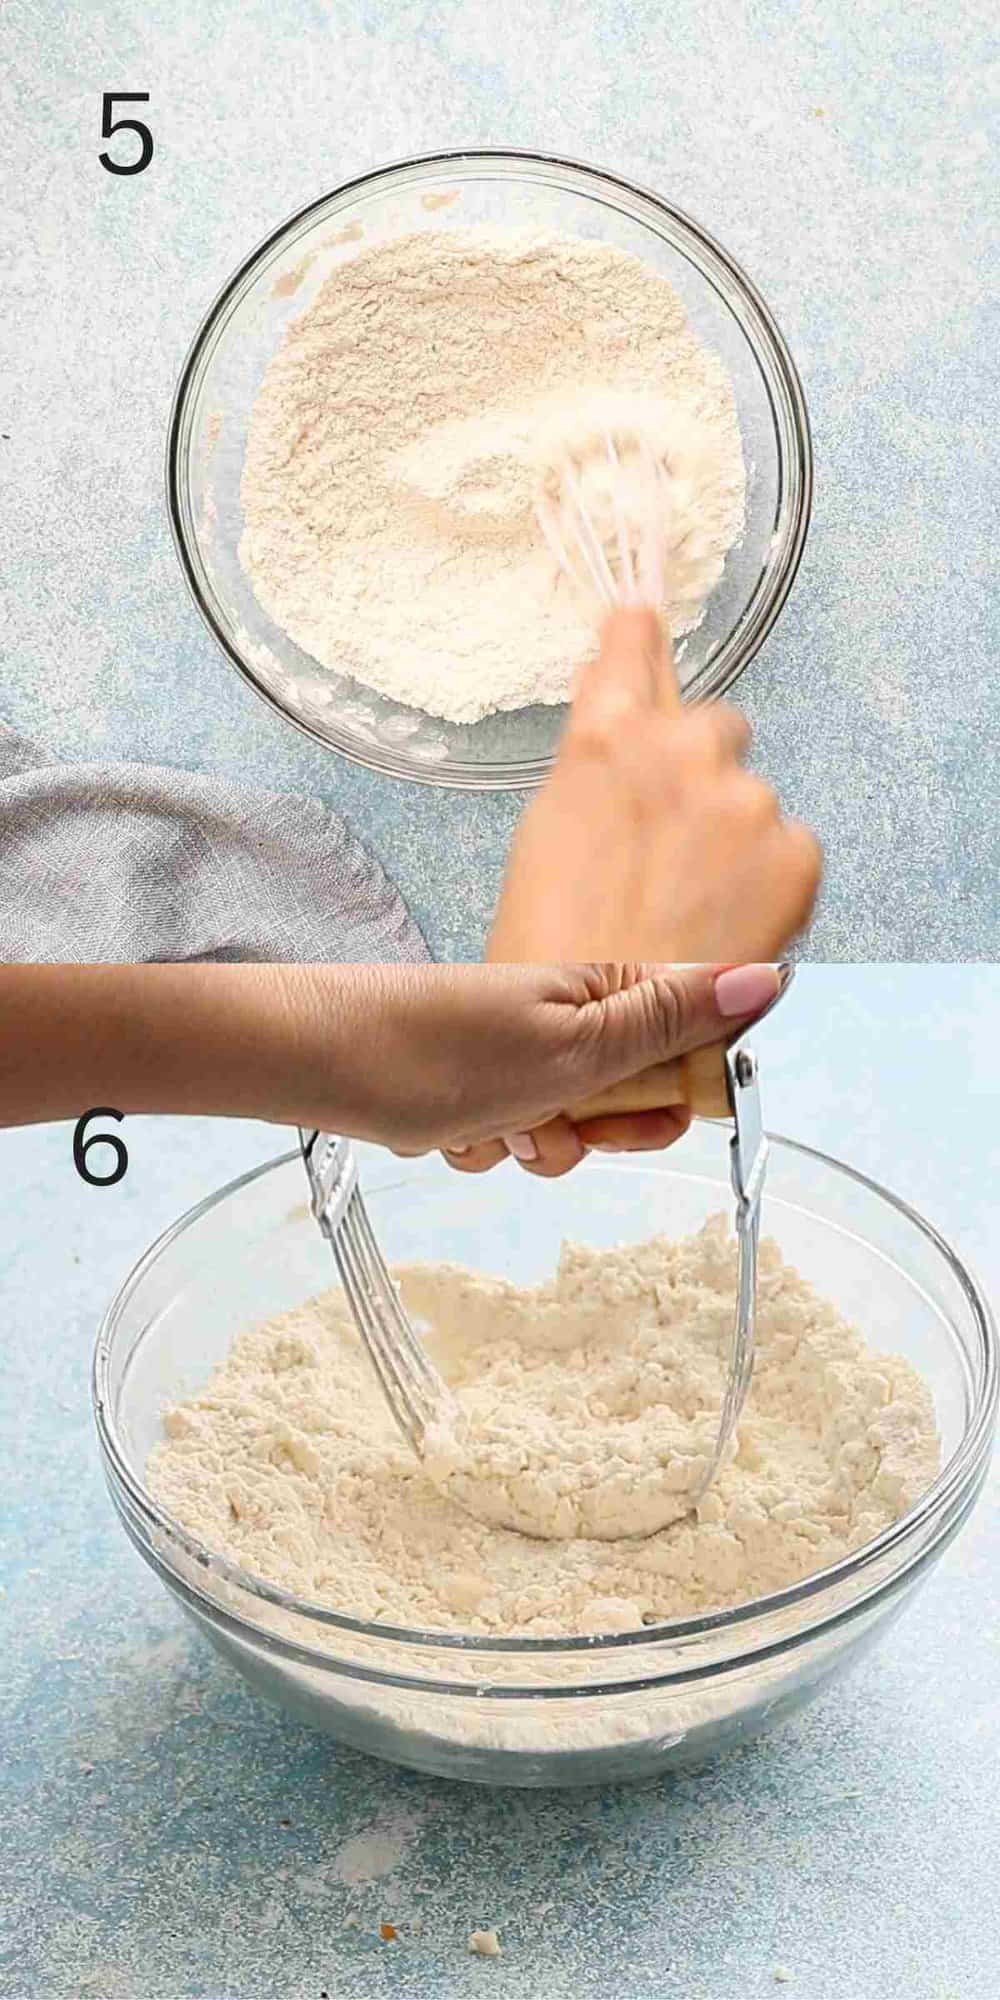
(82,1146)
(110,125)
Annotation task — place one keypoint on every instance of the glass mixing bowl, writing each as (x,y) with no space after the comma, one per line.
(232,348)
(544,1711)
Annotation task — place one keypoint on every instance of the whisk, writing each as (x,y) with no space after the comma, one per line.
(604,508)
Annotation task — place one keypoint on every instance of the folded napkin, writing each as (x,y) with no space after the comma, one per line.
(128,862)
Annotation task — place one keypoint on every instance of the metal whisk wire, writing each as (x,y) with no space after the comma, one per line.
(622,561)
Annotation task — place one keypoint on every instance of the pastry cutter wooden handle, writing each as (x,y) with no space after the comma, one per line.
(748,1151)
(698,1080)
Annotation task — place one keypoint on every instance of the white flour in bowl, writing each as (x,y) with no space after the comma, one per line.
(289,1463)
(399,437)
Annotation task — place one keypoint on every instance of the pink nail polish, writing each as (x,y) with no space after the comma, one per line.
(521,1144)
(745,989)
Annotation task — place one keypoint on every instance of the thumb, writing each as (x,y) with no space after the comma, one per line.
(666,1014)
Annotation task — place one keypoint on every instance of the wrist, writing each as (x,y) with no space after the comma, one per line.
(288,1044)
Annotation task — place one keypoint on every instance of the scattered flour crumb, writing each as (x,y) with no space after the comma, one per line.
(376,1852)
(288,283)
(485,1944)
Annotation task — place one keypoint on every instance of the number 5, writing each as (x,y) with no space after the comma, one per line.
(110,125)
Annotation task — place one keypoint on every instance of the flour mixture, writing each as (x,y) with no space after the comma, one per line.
(400,437)
(589,1389)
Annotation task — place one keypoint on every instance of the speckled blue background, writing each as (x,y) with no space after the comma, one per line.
(846,156)
(165,1836)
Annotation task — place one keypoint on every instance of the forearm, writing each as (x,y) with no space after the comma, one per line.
(413,1056)
(217,1040)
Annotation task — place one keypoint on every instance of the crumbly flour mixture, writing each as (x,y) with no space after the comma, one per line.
(401,435)
(289,1463)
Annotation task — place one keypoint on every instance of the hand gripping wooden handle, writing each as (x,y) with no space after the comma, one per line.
(697,1080)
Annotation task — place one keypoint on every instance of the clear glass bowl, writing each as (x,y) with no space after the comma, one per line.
(543,1711)
(230,352)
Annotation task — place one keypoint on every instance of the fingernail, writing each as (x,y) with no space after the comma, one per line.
(521,1144)
(457,1149)
(605,1146)
(744,989)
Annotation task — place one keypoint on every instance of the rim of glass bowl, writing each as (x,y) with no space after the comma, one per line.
(721,271)
(954,1488)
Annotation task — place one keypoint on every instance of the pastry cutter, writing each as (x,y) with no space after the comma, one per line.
(721,1081)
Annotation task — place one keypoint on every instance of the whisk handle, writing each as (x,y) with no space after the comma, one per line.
(697,1080)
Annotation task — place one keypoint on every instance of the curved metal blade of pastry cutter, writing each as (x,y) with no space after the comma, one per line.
(415,1392)
(748,1150)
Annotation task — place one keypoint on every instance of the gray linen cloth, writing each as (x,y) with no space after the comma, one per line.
(128,862)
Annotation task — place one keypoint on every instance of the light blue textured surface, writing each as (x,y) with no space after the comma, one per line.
(167,1837)
(846,157)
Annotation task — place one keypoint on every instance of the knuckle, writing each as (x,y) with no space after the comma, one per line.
(655,773)
(472,1162)
(738,734)
(807,855)
(546,1170)
(595,737)
(758,803)
(729,719)
(810,849)
(602,727)
(704,727)
(667,1005)
(719,735)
